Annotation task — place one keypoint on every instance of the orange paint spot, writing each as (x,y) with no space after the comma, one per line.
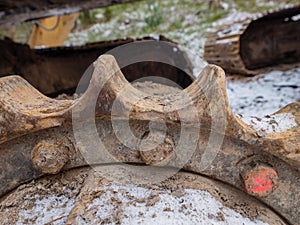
(260,181)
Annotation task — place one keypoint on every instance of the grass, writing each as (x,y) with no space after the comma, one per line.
(167,17)
(19,33)
(213,17)
(88,17)
(155,13)
(177,24)
(151,17)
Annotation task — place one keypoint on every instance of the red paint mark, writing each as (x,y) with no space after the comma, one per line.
(261,181)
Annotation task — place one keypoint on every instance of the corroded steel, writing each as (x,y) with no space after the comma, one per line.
(263,40)
(30,121)
(61,74)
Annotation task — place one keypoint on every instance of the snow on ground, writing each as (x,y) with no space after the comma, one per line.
(51,208)
(265,94)
(271,124)
(129,204)
(232,17)
(194,207)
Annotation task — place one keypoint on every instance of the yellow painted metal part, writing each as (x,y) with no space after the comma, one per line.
(52,31)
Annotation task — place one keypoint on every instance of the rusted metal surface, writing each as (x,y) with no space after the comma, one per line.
(30,121)
(255,43)
(261,180)
(61,75)
(15,12)
(50,156)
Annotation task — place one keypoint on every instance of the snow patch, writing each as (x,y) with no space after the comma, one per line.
(233,17)
(194,207)
(296,18)
(271,124)
(224,5)
(265,94)
(46,209)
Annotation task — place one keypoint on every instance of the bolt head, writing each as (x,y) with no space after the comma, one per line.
(261,181)
(49,156)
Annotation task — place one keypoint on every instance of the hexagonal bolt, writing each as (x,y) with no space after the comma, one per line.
(261,180)
(50,156)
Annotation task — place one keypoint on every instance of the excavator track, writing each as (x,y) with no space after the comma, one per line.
(135,135)
(249,46)
(52,70)
(199,133)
